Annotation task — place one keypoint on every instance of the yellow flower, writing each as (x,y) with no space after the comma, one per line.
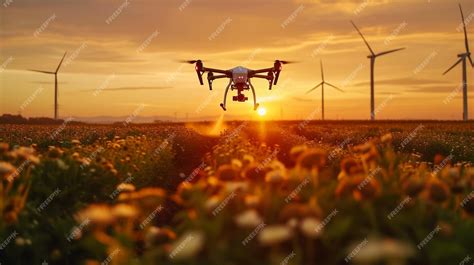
(275,176)
(124,211)
(4,147)
(6,169)
(227,172)
(296,151)
(311,159)
(156,236)
(437,190)
(387,138)
(99,214)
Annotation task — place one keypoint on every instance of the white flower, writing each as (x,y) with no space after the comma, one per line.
(309,227)
(383,249)
(187,246)
(248,219)
(274,234)
(126,187)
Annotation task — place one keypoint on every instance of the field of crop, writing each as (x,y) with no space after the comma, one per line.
(238,193)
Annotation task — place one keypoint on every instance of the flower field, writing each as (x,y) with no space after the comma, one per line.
(255,193)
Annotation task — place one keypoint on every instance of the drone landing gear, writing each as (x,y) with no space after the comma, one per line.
(255,104)
(225,95)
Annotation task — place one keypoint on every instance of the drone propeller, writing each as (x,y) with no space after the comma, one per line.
(199,67)
(277,68)
(287,62)
(188,61)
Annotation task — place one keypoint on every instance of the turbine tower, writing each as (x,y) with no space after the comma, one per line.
(462,59)
(55,73)
(373,56)
(323,82)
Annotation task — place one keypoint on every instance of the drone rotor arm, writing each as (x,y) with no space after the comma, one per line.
(260,71)
(214,70)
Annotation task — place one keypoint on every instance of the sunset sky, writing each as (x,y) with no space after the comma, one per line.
(123,56)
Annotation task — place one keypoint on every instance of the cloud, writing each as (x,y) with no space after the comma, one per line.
(302,99)
(130,88)
(405,81)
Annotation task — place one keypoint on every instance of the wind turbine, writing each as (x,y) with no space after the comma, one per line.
(462,59)
(372,58)
(55,73)
(323,82)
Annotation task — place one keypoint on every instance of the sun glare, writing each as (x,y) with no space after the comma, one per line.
(262,111)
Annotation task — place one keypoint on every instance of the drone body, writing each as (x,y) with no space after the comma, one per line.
(239,79)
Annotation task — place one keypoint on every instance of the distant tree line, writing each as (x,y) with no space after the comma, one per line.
(18,119)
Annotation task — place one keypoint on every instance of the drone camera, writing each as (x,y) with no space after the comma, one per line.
(240,98)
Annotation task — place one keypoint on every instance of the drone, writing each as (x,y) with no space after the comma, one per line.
(239,79)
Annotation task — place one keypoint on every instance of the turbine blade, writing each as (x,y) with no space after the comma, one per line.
(470,60)
(360,33)
(466,41)
(39,71)
(61,62)
(322,70)
(458,62)
(335,87)
(387,52)
(314,88)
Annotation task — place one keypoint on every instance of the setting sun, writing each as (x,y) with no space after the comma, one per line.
(262,111)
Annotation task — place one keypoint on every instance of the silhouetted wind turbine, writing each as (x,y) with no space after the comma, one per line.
(462,59)
(55,73)
(372,58)
(323,82)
